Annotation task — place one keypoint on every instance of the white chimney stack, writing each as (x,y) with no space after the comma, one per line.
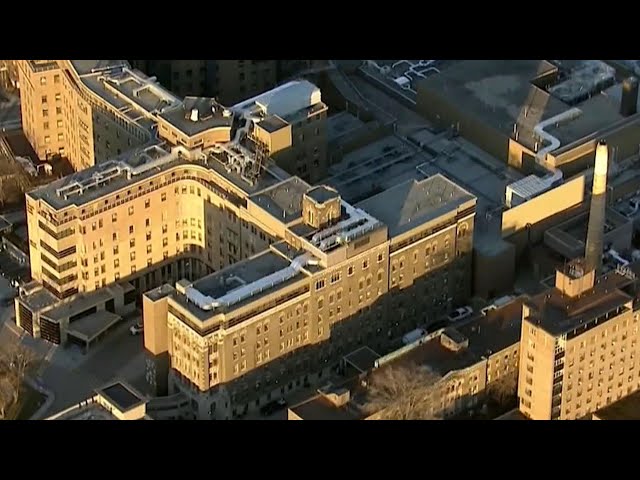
(194,114)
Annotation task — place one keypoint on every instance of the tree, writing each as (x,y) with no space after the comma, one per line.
(504,390)
(16,362)
(401,393)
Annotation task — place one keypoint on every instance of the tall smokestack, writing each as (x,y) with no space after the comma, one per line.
(629,100)
(595,233)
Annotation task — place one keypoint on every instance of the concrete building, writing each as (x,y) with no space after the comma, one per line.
(579,344)
(117,401)
(229,81)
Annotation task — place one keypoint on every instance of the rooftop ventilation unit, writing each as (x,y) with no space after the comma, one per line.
(194,115)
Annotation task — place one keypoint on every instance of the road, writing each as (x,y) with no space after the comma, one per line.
(73,376)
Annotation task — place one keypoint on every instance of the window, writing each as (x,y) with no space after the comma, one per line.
(147,203)
(132,256)
(131,210)
(114,218)
(148,248)
(130,229)
(45,113)
(163,197)
(58,110)
(44,99)
(335,277)
(61,137)
(132,243)
(365,264)
(116,263)
(147,223)
(47,139)
(320,284)
(46,125)
(350,270)
(56,79)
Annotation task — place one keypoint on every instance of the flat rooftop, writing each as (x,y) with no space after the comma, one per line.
(91,326)
(390,161)
(321,408)
(112,182)
(283,200)
(363,359)
(341,124)
(84,67)
(413,203)
(210,114)
(322,194)
(488,334)
(557,313)
(627,408)
(78,304)
(239,275)
(498,93)
(121,396)
(272,123)
(39,299)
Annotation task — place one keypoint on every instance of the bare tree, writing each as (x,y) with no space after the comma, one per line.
(402,393)
(16,362)
(504,390)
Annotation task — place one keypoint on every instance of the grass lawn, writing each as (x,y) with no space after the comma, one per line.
(28,404)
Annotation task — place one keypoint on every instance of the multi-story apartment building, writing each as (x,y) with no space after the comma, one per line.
(175,209)
(88,110)
(579,345)
(301,275)
(261,327)
(91,111)
(229,81)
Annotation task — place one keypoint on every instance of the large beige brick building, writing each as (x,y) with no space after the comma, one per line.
(291,276)
(90,111)
(579,345)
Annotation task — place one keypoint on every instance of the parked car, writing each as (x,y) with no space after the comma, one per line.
(273,407)
(137,329)
(460,314)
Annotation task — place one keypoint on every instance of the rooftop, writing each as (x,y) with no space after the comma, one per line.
(242,282)
(413,203)
(321,408)
(272,123)
(121,396)
(90,327)
(503,93)
(84,67)
(363,359)
(341,124)
(322,194)
(486,335)
(209,114)
(283,200)
(284,100)
(627,408)
(79,304)
(557,313)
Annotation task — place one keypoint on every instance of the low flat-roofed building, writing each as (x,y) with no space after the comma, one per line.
(568,238)
(117,401)
(499,105)
(627,408)
(332,402)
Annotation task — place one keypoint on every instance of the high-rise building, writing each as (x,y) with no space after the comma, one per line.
(579,345)
(92,111)
(175,209)
(238,338)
